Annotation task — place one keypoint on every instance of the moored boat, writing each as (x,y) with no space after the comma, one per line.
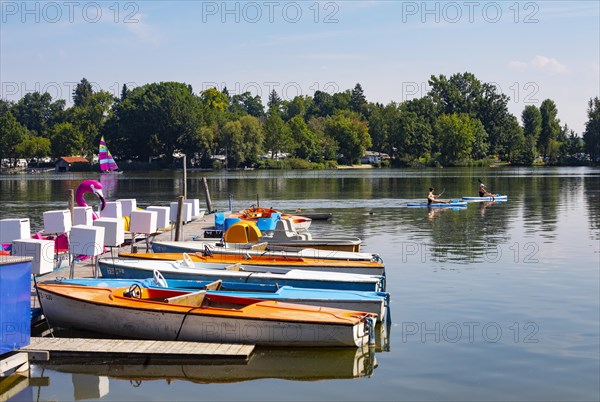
(253,214)
(164,314)
(285,234)
(141,269)
(309,264)
(372,302)
(258,249)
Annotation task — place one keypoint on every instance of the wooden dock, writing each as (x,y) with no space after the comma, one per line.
(44,348)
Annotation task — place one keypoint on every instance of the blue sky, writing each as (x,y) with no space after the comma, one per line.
(533,50)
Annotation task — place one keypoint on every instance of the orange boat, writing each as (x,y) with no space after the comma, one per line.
(255,213)
(309,264)
(164,314)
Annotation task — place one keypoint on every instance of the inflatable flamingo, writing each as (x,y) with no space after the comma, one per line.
(90,186)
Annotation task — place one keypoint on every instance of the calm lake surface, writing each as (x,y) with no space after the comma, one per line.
(498,301)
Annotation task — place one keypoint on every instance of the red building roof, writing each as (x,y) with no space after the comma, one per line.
(74,159)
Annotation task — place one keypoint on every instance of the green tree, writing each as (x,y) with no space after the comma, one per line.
(34,147)
(82,92)
(214,104)
(305,141)
(247,104)
(296,107)
(455,135)
(274,102)
(4,106)
(277,135)
(378,128)
(124,92)
(410,134)
(243,141)
(517,146)
(158,119)
(465,94)
(550,128)
(66,140)
(253,138)
(89,119)
(233,141)
(532,127)
(38,113)
(350,133)
(321,106)
(358,101)
(571,143)
(11,134)
(591,135)
(424,107)
(341,101)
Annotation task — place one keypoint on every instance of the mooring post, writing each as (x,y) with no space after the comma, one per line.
(207,195)
(178,225)
(184,177)
(71,203)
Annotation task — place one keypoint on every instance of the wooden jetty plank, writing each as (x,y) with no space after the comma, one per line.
(115,347)
(13,361)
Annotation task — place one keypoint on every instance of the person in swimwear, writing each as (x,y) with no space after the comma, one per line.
(483,192)
(431,198)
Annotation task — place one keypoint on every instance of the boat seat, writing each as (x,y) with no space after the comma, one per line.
(286,230)
(194,299)
(216,285)
(235,267)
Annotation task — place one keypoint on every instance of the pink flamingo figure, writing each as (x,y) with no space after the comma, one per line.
(90,186)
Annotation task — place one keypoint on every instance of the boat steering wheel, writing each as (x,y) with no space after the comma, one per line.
(159,279)
(134,291)
(187,260)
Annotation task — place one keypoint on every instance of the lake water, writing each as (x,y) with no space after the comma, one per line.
(498,301)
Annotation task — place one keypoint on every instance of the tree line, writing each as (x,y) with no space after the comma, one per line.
(460,121)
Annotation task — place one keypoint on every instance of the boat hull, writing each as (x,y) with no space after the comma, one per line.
(254,250)
(268,264)
(141,323)
(371,302)
(457,204)
(498,197)
(318,245)
(140,269)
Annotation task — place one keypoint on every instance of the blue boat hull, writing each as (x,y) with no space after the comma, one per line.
(109,270)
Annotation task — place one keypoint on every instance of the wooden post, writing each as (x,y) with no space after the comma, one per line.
(71,203)
(184,177)
(178,221)
(207,195)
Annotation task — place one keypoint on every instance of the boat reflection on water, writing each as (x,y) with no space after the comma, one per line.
(290,364)
(382,336)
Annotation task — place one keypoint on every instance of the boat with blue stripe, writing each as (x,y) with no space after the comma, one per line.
(141,269)
(372,302)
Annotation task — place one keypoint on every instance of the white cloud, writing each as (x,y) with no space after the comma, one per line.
(539,63)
